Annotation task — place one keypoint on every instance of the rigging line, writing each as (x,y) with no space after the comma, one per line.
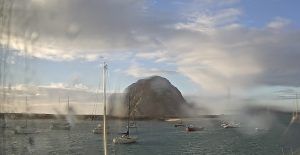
(94,112)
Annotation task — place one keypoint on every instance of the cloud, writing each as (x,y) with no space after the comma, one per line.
(279,23)
(75,29)
(56,85)
(140,72)
(238,57)
(203,39)
(52,98)
(75,86)
(204,22)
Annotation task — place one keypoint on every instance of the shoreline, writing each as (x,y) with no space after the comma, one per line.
(17,116)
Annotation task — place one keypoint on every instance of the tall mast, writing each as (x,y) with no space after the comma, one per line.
(297,105)
(128,115)
(68,105)
(229,96)
(26,111)
(104,108)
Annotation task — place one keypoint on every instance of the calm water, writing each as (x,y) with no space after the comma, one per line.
(155,138)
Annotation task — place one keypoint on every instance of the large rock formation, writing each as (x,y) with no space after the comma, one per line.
(154,97)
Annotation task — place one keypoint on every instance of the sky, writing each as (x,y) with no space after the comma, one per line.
(245,51)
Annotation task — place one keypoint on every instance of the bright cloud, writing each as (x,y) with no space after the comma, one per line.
(140,72)
(205,22)
(278,23)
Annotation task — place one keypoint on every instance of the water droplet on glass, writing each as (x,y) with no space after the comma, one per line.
(34,36)
(72,31)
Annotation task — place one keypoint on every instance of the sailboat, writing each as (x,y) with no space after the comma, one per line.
(65,125)
(190,128)
(3,123)
(231,124)
(295,117)
(132,124)
(227,125)
(24,129)
(179,124)
(99,128)
(126,138)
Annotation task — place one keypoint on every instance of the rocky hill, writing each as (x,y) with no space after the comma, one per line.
(154,97)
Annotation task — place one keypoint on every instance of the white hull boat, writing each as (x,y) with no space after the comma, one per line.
(99,129)
(230,125)
(125,139)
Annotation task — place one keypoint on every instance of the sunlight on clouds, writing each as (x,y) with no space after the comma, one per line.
(206,22)
(236,57)
(56,85)
(140,72)
(279,23)
(52,98)
(158,56)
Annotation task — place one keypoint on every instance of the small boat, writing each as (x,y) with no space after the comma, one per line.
(261,129)
(230,125)
(64,124)
(180,124)
(98,129)
(24,129)
(60,126)
(3,123)
(193,128)
(172,120)
(132,125)
(125,139)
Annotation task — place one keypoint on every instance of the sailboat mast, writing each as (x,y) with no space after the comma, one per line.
(68,106)
(104,108)
(229,96)
(128,115)
(26,112)
(297,105)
